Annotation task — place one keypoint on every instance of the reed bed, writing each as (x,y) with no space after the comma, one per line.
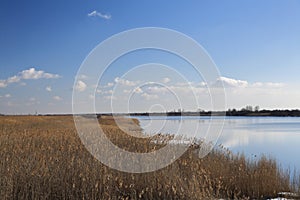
(42,157)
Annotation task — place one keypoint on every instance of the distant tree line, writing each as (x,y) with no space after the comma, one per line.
(246,111)
(255,111)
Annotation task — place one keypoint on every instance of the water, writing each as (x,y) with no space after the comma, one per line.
(278,137)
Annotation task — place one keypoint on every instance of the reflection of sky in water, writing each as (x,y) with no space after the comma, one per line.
(278,137)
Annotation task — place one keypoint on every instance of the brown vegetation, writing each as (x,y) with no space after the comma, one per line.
(43,158)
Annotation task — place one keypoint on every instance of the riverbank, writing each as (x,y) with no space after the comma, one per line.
(43,158)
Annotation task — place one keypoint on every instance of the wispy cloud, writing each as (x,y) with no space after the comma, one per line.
(108,85)
(268,84)
(150,96)
(166,80)
(14,79)
(80,86)
(3,83)
(239,92)
(125,82)
(230,82)
(29,74)
(236,83)
(138,90)
(48,88)
(99,14)
(57,98)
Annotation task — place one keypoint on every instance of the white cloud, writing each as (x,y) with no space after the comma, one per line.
(157,89)
(99,14)
(104,91)
(80,86)
(48,88)
(34,74)
(191,84)
(28,74)
(183,89)
(202,84)
(257,84)
(230,82)
(275,85)
(107,92)
(13,79)
(99,91)
(138,90)
(110,84)
(235,83)
(7,95)
(126,91)
(125,82)
(3,84)
(57,98)
(149,96)
(166,80)
(267,85)
(239,93)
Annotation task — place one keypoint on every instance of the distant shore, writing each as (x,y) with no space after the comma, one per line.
(230,112)
(247,113)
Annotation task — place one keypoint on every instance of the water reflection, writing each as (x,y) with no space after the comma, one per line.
(278,137)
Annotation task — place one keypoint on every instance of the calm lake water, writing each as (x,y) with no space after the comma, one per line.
(278,137)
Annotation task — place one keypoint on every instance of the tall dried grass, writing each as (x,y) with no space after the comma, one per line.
(43,158)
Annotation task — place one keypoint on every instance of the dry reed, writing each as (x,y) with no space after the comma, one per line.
(43,158)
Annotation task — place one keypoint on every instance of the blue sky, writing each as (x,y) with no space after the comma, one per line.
(251,41)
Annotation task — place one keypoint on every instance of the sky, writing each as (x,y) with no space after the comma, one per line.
(254,44)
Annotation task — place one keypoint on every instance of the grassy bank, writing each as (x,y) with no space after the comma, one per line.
(43,158)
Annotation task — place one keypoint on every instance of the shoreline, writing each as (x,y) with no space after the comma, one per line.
(228,113)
